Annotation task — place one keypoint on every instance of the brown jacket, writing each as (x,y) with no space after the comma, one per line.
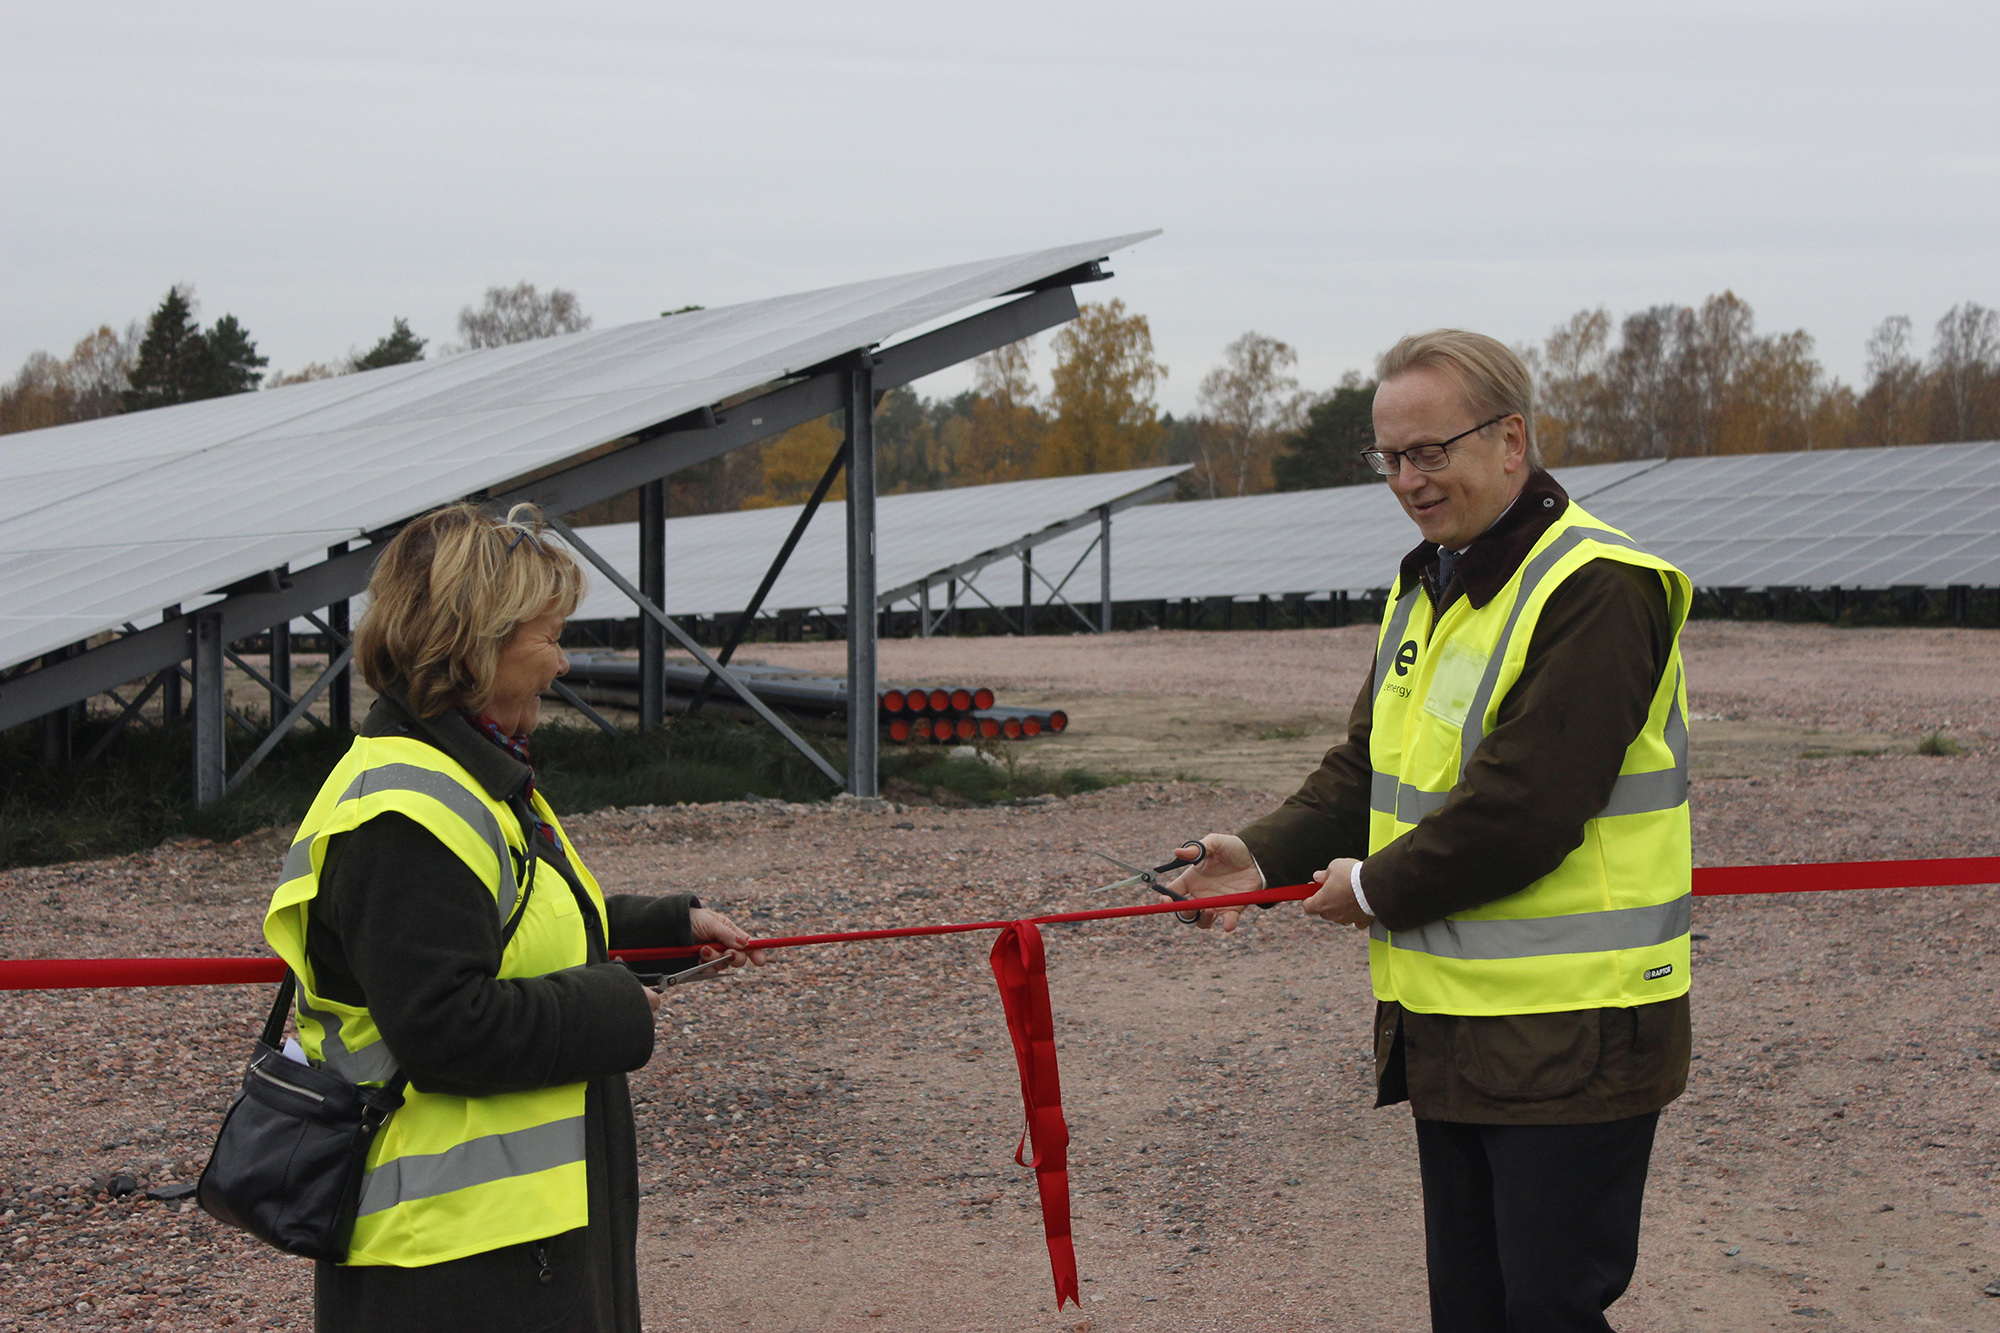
(1545,769)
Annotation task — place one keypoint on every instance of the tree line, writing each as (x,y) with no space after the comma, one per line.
(1667,381)
(173,359)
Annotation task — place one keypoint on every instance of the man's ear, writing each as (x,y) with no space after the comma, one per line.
(1514,437)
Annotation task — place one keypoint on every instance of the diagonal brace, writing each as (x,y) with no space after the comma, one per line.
(696,651)
(281,728)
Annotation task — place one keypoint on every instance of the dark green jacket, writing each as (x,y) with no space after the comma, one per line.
(1592,667)
(403,926)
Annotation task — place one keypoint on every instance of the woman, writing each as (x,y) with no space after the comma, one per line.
(443,927)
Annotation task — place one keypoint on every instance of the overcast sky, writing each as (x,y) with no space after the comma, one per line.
(1331,174)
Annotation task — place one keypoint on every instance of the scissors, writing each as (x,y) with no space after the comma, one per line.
(1151,878)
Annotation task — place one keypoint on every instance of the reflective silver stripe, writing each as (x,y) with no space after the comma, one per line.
(1399,620)
(1663,789)
(452,796)
(1542,936)
(476,1162)
(1382,792)
(371,1064)
(298,861)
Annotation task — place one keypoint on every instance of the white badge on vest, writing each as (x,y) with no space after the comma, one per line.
(1454,683)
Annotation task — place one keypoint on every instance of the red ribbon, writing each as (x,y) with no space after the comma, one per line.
(1019,969)
(1024,994)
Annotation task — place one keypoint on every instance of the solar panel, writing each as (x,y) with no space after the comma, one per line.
(103,522)
(715,561)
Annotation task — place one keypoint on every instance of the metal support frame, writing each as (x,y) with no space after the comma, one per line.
(1104,569)
(280,664)
(281,700)
(576,701)
(336,666)
(211,755)
(652,582)
(340,699)
(764,585)
(170,679)
(58,731)
(693,649)
(1027,591)
(863,618)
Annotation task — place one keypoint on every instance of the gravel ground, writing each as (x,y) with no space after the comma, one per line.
(827,1143)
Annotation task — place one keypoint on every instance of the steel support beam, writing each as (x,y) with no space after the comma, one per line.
(651,456)
(863,619)
(1027,591)
(1104,569)
(340,692)
(280,669)
(211,722)
(58,735)
(170,679)
(652,582)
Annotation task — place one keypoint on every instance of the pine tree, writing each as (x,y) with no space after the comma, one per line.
(233,363)
(173,359)
(399,347)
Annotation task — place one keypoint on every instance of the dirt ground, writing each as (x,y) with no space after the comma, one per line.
(827,1143)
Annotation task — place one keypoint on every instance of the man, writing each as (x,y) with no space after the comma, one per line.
(1507,819)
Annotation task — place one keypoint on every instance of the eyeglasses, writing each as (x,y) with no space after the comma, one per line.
(1423,457)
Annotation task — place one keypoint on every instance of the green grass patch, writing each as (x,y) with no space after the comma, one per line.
(139,793)
(1937,743)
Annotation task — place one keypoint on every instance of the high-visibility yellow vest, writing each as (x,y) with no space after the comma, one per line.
(1609,926)
(447,1176)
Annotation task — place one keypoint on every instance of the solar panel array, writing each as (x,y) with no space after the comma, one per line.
(1924,515)
(714,561)
(104,522)
(1916,516)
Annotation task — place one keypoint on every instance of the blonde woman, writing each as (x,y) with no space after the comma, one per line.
(444,931)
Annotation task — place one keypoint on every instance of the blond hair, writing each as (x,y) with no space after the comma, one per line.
(1494,380)
(448,593)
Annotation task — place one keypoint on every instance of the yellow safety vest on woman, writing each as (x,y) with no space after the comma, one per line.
(448,1176)
(1607,927)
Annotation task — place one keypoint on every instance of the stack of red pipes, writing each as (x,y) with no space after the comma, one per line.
(960,714)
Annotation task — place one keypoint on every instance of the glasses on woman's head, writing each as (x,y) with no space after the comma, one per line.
(1423,457)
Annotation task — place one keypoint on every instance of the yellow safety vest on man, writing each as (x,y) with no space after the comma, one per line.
(448,1176)
(1609,926)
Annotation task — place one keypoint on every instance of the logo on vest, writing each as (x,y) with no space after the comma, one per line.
(1406,657)
(1655,973)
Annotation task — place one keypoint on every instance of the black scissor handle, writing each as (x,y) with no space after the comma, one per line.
(1200,855)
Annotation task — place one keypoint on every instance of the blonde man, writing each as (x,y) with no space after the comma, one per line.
(1507,821)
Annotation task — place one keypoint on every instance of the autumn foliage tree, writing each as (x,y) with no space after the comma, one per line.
(1250,408)
(1005,430)
(1101,395)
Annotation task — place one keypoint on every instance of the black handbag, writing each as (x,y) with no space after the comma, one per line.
(288,1162)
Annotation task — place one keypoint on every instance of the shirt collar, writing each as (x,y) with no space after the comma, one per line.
(1484,567)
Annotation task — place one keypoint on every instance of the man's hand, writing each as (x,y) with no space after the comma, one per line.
(1335,900)
(709,926)
(1228,868)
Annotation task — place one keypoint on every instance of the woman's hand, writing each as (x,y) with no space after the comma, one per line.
(711,927)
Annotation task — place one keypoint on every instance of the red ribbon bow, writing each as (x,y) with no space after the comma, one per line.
(1024,995)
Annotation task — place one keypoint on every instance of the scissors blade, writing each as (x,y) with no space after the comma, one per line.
(1128,882)
(1126,866)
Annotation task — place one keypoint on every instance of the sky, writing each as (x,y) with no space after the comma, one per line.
(1334,175)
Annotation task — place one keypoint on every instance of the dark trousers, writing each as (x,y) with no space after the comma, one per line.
(1531,1228)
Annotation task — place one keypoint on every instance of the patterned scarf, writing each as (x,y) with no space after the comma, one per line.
(516,745)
